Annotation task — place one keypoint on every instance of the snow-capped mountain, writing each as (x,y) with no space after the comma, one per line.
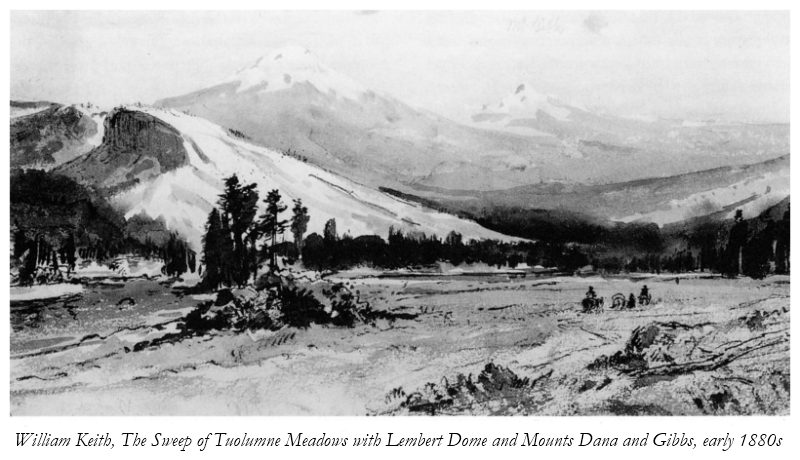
(526,102)
(281,69)
(290,100)
(171,165)
(526,149)
(603,148)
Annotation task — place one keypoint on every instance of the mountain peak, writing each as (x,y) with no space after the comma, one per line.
(290,50)
(287,65)
(291,54)
(526,101)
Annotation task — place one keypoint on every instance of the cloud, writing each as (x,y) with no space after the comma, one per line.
(595,23)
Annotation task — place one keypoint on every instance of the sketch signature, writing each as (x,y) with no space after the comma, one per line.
(536,25)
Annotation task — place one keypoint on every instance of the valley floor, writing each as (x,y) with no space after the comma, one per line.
(706,346)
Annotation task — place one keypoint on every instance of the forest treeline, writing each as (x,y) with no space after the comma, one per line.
(55,220)
(754,248)
(237,244)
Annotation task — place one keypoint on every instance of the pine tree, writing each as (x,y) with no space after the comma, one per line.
(329,233)
(175,256)
(455,248)
(226,252)
(69,253)
(300,220)
(54,260)
(782,245)
(736,241)
(238,203)
(272,226)
(27,271)
(212,277)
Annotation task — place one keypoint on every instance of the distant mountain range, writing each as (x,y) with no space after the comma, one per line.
(605,148)
(291,122)
(290,99)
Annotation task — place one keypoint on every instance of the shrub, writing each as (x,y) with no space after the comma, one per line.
(299,308)
(496,391)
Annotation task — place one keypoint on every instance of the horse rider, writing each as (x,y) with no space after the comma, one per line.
(631,301)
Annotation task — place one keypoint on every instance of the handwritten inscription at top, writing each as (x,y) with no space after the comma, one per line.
(535,25)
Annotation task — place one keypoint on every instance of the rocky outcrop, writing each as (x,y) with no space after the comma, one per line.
(48,137)
(131,132)
(136,147)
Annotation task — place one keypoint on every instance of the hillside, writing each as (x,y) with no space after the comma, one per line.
(661,200)
(45,135)
(130,167)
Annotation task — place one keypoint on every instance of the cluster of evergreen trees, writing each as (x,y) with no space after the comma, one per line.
(415,249)
(237,242)
(754,247)
(55,220)
(757,252)
(418,249)
(731,249)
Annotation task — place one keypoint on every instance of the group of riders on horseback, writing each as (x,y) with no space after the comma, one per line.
(594,303)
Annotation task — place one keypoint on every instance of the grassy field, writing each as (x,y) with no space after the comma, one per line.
(467,345)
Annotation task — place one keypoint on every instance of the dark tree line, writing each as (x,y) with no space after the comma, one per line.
(55,220)
(760,251)
(232,254)
(726,247)
(731,247)
(417,249)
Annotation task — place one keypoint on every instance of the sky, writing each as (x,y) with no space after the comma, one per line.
(691,65)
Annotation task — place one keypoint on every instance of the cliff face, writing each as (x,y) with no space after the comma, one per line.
(49,137)
(131,132)
(136,146)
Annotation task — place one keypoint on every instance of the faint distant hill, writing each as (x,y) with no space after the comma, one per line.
(661,200)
